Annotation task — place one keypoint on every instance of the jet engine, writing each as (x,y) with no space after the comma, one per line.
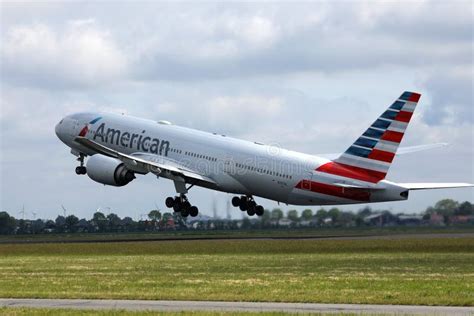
(107,170)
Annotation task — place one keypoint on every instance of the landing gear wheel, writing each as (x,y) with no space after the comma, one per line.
(251,211)
(193,211)
(259,210)
(184,212)
(246,203)
(251,204)
(235,201)
(180,204)
(169,202)
(177,207)
(81,170)
(185,206)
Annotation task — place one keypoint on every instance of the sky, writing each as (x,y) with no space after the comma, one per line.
(309,77)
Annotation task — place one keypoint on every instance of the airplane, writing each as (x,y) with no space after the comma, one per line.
(119,147)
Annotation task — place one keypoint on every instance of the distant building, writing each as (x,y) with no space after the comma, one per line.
(285,222)
(461,219)
(436,219)
(381,219)
(304,223)
(410,220)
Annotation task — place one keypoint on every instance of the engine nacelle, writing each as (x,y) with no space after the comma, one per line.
(107,170)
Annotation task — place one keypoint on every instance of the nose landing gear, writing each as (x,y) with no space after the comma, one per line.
(248,204)
(80,170)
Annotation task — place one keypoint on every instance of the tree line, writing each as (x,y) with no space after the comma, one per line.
(444,212)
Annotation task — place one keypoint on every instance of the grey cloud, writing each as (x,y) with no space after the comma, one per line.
(452,98)
(209,42)
(80,54)
(340,40)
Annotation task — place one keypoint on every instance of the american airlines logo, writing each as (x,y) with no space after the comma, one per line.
(140,142)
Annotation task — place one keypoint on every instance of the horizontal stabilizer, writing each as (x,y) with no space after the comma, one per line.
(429,186)
(414,149)
(401,150)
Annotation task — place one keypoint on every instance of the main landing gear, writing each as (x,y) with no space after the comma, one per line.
(247,203)
(180,204)
(81,169)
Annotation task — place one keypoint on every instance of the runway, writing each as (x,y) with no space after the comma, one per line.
(159,238)
(173,306)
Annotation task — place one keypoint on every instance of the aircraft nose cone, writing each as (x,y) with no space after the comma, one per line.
(59,130)
(56,129)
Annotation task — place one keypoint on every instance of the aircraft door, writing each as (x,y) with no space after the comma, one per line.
(229,165)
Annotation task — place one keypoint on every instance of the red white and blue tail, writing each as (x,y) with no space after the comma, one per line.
(370,156)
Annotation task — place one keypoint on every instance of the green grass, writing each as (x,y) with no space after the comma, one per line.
(399,271)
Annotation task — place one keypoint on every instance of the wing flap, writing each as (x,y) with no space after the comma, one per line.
(431,186)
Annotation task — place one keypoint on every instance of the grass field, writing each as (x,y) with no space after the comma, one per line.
(399,271)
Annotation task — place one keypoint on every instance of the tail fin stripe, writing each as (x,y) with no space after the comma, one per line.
(389,114)
(365,163)
(397,125)
(415,97)
(352,172)
(382,124)
(392,136)
(381,155)
(373,133)
(409,107)
(386,146)
(397,105)
(404,116)
(396,129)
(358,151)
(410,96)
(365,142)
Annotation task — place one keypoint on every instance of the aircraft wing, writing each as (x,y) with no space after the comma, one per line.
(400,151)
(428,186)
(145,162)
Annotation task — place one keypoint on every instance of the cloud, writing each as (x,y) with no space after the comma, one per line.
(451,91)
(80,55)
(237,42)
